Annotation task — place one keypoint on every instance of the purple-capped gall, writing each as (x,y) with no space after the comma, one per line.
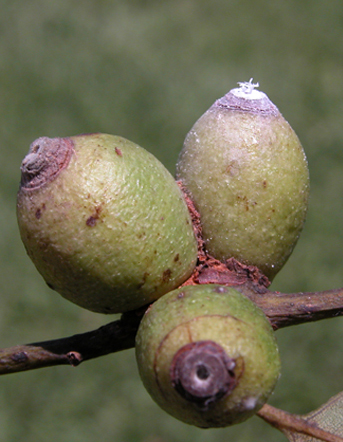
(207,355)
(247,174)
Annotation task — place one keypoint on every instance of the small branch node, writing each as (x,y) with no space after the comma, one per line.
(74,358)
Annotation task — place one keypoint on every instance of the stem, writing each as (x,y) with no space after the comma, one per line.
(286,309)
(282,310)
(287,422)
(110,338)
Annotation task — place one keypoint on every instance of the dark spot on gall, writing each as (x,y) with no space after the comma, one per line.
(39,211)
(176,257)
(166,275)
(144,278)
(118,151)
(246,202)
(92,220)
(181,295)
(264,184)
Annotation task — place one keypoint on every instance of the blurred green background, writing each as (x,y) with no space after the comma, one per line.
(147,70)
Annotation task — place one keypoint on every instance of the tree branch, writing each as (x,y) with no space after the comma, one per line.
(282,310)
(286,309)
(110,338)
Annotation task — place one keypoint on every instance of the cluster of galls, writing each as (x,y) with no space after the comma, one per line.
(108,228)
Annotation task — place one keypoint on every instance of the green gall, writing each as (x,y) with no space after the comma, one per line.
(104,222)
(207,355)
(247,174)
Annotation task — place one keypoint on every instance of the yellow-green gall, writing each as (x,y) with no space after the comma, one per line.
(104,222)
(247,174)
(207,355)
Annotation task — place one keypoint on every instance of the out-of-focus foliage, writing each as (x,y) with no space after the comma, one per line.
(147,70)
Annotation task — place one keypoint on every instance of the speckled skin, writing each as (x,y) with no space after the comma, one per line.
(225,316)
(247,175)
(110,231)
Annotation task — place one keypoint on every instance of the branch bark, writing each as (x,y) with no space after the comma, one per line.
(286,309)
(113,337)
(282,309)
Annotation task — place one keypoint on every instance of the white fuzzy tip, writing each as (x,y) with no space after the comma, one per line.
(250,403)
(247,90)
